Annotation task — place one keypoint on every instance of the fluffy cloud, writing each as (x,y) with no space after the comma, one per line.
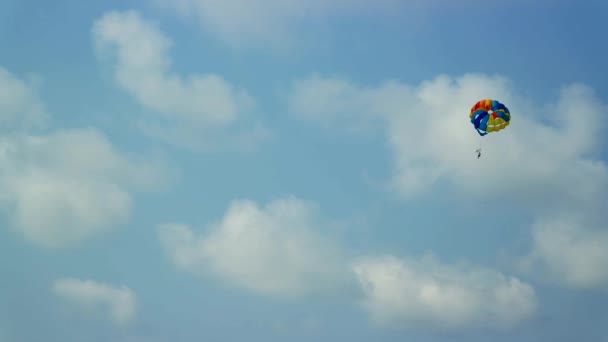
(547,161)
(70,185)
(270,23)
(193,107)
(119,303)
(20,105)
(570,251)
(538,156)
(425,293)
(273,250)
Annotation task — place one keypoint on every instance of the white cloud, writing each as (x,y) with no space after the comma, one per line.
(186,110)
(544,154)
(275,250)
(20,104)
(425,293)
(119,303)
(547,161)
(570,251)
(70,185)
(268,23)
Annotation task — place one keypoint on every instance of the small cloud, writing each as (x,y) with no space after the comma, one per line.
(119,303)
(426,294)
(187,112)
(274,250)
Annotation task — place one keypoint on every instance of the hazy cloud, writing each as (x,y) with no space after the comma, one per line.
(20,104)
(119,303)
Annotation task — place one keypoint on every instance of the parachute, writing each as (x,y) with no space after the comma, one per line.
(489,116)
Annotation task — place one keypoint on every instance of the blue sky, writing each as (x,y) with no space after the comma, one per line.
(197,170)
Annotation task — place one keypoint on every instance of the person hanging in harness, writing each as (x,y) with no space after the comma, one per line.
(489,116)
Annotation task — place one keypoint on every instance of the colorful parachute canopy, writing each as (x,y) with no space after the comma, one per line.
(489,116)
